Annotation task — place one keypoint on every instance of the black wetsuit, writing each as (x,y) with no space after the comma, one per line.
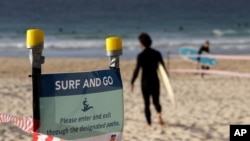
(148,60)
(203,49)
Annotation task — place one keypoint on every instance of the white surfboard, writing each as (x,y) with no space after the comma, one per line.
(164,77)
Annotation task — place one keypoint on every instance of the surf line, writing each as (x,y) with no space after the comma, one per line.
(219,72)
(218,56)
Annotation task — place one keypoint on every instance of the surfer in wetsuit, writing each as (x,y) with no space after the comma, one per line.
(148,61)
(203,48)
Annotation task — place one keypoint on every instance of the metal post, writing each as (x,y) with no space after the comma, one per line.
(34,42)
(114,50)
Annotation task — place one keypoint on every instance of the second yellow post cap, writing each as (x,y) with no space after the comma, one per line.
(113,43)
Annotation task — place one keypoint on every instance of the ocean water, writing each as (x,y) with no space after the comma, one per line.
(78,28)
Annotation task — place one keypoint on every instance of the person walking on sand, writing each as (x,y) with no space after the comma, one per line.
(148,60)
(203,48)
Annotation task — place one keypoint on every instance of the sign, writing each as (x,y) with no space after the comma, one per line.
(82,106)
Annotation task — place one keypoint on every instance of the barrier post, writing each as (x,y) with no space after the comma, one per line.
(114,50)
(34,42)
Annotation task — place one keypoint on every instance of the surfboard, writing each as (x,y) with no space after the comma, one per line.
(191,54)
(166,82)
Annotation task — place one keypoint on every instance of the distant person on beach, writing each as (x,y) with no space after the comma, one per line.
(148,60)
(203,48)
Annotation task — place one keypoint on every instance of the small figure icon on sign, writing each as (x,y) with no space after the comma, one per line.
(86,106)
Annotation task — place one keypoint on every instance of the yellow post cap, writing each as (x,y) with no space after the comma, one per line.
(113,43)
(34,37)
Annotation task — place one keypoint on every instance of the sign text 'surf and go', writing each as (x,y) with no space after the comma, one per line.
(85,83)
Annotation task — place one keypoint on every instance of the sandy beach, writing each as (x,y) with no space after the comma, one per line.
(205,107)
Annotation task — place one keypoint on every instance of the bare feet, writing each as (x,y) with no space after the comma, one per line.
(161,122)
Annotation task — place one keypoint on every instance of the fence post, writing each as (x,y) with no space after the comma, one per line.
(34,42)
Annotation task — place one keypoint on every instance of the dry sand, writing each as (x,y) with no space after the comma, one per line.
(205,107)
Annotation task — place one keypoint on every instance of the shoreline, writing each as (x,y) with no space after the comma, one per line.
(128,53)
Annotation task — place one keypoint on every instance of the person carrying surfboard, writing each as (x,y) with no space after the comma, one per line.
(148,60)
(203,48)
